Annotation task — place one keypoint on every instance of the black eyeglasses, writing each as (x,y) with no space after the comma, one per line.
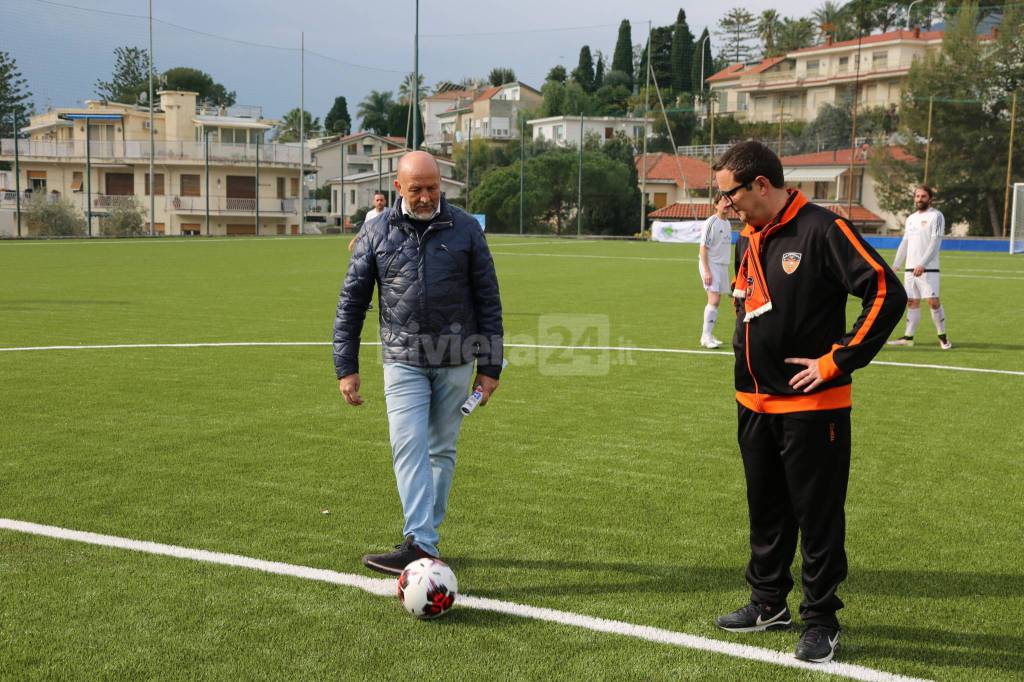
(729,192)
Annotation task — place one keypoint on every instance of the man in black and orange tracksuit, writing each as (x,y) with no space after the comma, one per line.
(797,263)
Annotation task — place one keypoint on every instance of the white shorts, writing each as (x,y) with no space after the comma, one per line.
(719,278)
(925,286)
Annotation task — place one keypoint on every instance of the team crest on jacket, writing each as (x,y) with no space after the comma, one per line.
(791,261)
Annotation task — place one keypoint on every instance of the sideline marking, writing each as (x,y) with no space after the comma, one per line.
(637,349)
(383,587)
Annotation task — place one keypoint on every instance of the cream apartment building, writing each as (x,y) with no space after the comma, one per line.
(213,168)
(795,86)
(491,115)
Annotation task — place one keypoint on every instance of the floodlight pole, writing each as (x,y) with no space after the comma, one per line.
(152,143)
(88,176)
(522,169)
(206,173)
(579,185)
(416,82)
(258,183)
(341,178)
(302,132)
(469,163)
(643,176)
(1009,162)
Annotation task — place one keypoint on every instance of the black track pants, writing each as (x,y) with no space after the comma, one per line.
(797,467)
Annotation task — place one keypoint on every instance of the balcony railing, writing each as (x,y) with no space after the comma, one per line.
(179,204)
(832,72)
(138,150)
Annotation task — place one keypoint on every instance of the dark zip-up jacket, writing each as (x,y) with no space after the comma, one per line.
(811,265)
(437,294)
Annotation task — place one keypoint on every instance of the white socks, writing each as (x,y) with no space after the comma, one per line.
(913,319)
(710,317)
(939,318)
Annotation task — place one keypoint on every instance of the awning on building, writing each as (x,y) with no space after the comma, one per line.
(230,122)
(814,174)
(43,126)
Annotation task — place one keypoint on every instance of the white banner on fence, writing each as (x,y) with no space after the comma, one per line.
(679,231)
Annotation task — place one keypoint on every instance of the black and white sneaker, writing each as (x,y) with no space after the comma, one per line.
(393,563)
(756,618)
(817,644)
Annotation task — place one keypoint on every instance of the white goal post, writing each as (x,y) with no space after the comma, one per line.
(1017,219)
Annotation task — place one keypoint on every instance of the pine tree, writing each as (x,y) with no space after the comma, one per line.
(738,27)
(14,95)
(622,58)
(599,71)
(584,71)
(338,121)
(130,77)
(682,55)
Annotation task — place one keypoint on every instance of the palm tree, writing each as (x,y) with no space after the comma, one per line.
(406,88)
(373,111)
(767,28)
(832,20)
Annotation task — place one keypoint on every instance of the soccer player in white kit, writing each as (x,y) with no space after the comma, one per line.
(715,248)
(919,252)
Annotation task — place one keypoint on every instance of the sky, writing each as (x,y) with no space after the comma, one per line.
(252,46)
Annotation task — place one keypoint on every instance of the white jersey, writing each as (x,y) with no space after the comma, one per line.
(922,237)
(371,214)
(716,237)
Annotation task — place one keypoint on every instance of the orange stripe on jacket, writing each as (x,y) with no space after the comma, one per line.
(827,367)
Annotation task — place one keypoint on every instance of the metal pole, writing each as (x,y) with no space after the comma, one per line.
(469,164)
(522,170)
(928,139)
(910,19)
(152,143)
(302,132)
(17,174)
(853,133)
(782,109)
(643,176)
(380,169)
(206,172)
(341,177)
(579,185)
(711,154)
(416,82)
(88,177)
(1009,163)
(258,183)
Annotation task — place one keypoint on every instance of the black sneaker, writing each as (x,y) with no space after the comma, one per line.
(393,563)
(817,644)
(756,618)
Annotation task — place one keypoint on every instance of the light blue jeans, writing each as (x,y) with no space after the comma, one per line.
(424,420)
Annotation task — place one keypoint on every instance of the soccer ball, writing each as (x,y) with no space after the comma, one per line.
(427,588)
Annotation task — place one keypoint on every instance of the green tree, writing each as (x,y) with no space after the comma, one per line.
(737,28)
(557,74)
(622,57)
(200,82)
(833,20)
(611,100)
(374,110)
(768,25)
(338,121)
(970,82)
(126,218)
(130,77)
(584,71)
(661,58)
(288,131)
(500,75)
(399,121)
(15,97)
(599,71)
(45,217)
(406,87)
(702,60)
(794,34)
(682,55)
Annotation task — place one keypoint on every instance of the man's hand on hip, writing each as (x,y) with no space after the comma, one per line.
(488,385)
(349,387)
(807,379)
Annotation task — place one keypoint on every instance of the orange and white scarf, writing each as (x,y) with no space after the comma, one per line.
(750,284)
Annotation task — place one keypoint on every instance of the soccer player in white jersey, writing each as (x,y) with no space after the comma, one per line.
(919,253)
(715,247)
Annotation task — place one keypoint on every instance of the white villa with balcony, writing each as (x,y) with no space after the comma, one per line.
(565,130)
(795,86)
(213,170)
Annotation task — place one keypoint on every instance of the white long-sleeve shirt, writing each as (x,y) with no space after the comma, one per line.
(716,237)
(922,238)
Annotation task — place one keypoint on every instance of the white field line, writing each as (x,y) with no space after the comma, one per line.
(388,588)
(634,349)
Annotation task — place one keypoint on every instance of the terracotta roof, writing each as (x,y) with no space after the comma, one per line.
(731,71)
(663,166)
(702,210)
(488,93)
(738,70)
(841,157)
(876,38)
(693,211)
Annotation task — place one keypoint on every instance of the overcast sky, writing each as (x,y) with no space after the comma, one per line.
(352,47)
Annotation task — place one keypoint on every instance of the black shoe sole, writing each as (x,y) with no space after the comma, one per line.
(780,625)
(381,568)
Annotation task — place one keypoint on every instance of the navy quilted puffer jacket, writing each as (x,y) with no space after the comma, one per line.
(437,294)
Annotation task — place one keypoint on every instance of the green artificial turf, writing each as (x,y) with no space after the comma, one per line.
(607,483)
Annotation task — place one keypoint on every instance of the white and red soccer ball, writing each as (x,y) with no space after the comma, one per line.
(427,588)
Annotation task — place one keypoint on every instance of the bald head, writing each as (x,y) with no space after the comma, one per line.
(419,182)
